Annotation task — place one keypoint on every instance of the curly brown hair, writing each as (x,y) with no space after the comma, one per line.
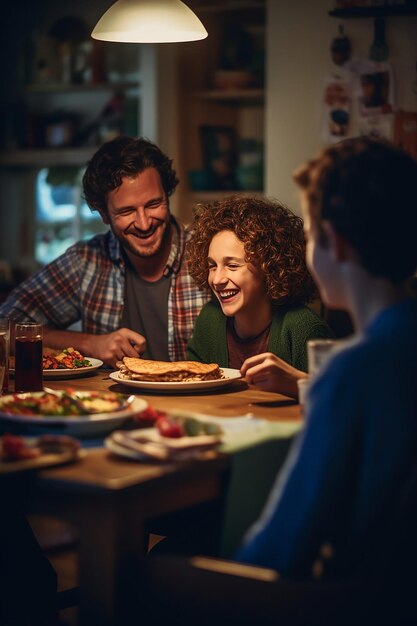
(273,239)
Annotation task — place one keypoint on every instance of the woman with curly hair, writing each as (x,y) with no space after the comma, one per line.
(251,253)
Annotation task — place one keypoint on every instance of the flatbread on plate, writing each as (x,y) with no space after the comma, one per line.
(134,368)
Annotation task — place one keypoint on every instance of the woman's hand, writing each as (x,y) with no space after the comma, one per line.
(270,373)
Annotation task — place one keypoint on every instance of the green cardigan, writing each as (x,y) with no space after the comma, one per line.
(292,326)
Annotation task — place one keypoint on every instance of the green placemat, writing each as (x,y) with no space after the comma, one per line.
(251,433)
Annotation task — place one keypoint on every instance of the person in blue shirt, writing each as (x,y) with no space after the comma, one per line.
(344,475)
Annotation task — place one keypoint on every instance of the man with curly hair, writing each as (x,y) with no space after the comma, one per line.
(251,253)
(130,287)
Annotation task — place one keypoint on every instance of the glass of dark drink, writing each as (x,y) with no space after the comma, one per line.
(28,357)
(4,354)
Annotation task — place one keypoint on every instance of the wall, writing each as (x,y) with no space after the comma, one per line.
(299,34)
(166,131)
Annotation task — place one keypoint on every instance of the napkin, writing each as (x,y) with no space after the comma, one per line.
(148,443)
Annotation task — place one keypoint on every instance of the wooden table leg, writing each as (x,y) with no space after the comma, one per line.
(111,542)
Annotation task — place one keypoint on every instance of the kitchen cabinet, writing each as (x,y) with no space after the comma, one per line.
(49,130)
(64,123)
(409,7)
(221,93)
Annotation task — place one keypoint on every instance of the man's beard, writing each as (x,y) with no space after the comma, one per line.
(144,251)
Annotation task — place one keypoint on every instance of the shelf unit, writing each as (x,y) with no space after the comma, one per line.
(90,96)
(70,93)
(44,157)
(225,6)
(39,171)
(50,88)
(201,103)
(395,10)
(239,96)
(378,13)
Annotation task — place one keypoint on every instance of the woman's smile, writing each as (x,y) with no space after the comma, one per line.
(226,295)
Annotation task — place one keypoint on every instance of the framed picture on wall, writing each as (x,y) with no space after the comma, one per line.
(219,148)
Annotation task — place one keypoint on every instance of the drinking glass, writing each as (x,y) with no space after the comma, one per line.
(303,385)
(4,354)
(28,357)
(318,352)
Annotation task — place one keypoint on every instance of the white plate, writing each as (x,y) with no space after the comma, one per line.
(71,373)
(153,435)
(80,426)
(76,372)
(230,375)
(46,459)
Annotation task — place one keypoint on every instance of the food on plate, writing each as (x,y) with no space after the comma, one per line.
(134,368)
(68,358)
(183,425)
(61,403)
(15,447)
(149,415)
(169,427)
(151,443)
(177,425)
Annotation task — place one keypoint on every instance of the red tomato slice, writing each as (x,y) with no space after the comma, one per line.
(169,428)
(15,447)
(150,415)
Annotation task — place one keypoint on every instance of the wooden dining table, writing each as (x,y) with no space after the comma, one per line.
(111,501)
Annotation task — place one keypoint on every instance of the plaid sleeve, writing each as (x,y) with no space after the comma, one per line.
(47,297)
(83,284)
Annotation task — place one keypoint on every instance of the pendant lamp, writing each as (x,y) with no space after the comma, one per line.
(149,21)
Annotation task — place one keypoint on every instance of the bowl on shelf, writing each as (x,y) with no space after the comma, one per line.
(232,79)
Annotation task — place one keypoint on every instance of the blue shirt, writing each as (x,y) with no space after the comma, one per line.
(344,474)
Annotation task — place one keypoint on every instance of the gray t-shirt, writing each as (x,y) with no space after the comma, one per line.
(146,312)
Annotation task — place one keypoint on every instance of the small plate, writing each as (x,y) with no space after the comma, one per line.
(77,372)
(49,459)
(181,449)
(81,426)
(230,376)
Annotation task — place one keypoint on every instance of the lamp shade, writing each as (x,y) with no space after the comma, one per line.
(149,21)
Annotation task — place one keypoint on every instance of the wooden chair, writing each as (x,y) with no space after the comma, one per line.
(205,591)
(185,591)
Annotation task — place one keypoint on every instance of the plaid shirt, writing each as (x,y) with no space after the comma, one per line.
(87,283)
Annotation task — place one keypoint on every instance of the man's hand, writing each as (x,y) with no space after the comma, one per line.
(109,348)
(270,373)
(114,346)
